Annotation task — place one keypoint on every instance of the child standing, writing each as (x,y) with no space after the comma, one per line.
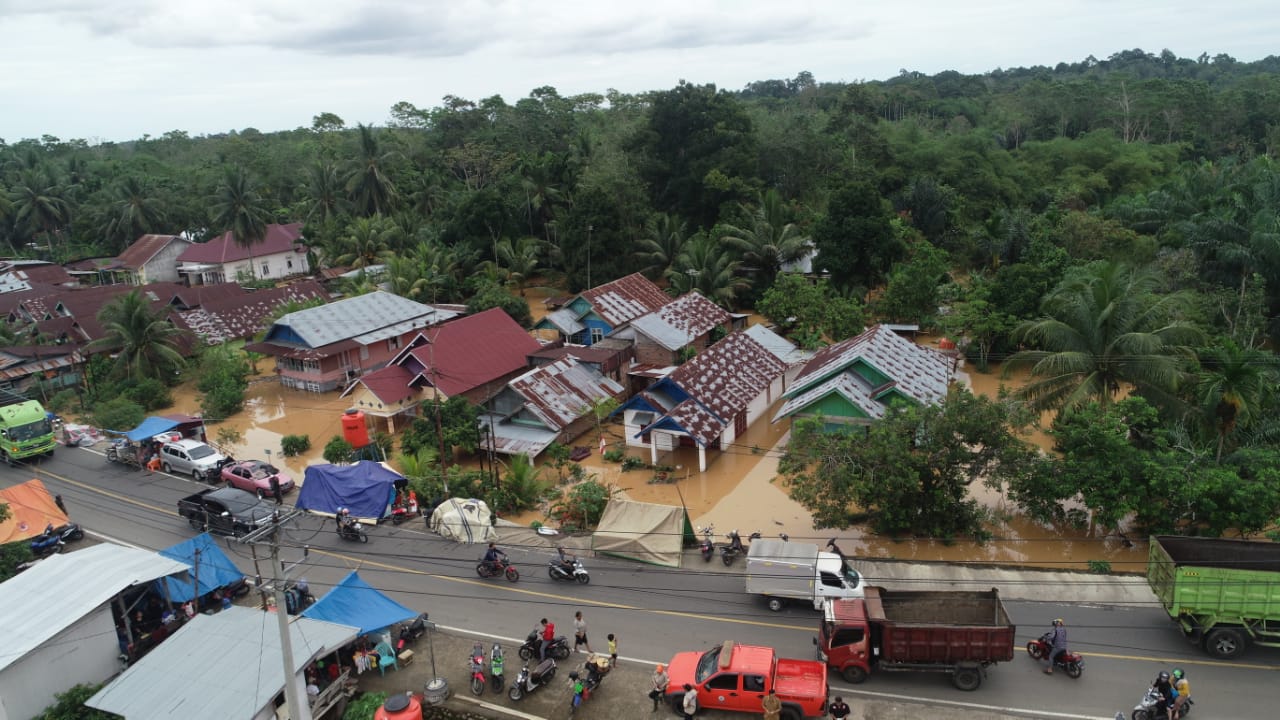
(613,650)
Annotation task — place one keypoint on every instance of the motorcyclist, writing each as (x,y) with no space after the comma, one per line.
(493,556)
(345,521)
(1164,688)
(1182,687)
(735,542)
(1058,643)
(565,560)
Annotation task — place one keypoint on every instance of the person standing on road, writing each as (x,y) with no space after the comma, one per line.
(613,651)
(772,706)
(57,500)
(689,705)
(840,709)
(660,682)
(580,632)
(275,490)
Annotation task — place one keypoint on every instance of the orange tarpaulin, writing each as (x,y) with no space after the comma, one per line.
(31,509)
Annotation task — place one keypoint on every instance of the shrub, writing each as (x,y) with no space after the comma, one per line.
(364,706)
(615,455)
(150,393)
(62,401)
(338,451)
(582,505)
(631,462)
(224,377)
(291,445)
(118,414)
(1100,567)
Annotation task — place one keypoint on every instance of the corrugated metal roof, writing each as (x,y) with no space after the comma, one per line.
(224,249)
(389,385)
(59,591)
(243,314)
(471,351)
(565,320)
(563,391)
(727,376)
(919,372)
(781,347)
(360,316)
(848,385)
(626,298)
(682,320)
(227,666)
(515,439)
(143,249)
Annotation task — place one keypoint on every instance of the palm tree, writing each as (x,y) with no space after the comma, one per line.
(710,269)
(39,204)
(367,242)
(665,238)
(145,342)
(405,277)
(241,210)
(538,178)
(1233,385)
(137,211)
(770,240)
(325,190)
(1106,328)
(368,184)
(520,262)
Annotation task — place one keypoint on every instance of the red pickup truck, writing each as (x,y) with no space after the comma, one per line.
(737,677)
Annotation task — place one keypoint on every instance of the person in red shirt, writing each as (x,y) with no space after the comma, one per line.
(548,636)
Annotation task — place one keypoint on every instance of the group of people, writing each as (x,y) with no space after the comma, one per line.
(547,634)
(1174,690)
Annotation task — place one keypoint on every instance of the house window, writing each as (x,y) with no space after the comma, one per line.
(266,269)
(597,334)
(393,344)
(288,263)
(311,366)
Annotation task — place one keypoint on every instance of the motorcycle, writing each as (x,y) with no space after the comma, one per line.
(1072,663)
(1148,707)
(730,552)
(496,662)
(487,569)
(559,571)
(706,547)
(526,681)
(478,680)
(596,667)
(411,631)
(47,543)
(353,530)
(533,645)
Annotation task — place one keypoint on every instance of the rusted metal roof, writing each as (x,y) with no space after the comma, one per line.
(727,376)
(919,372)
(390,385)
(243,314)
(142,250)
(463,354)
(782,348)
(510,439)
(620,301)
(224,249)
(20,369)
(681,321)
(563,391)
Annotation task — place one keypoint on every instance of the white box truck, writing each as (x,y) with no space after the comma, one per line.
(780,571)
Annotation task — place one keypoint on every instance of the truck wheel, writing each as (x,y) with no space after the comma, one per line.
(1224,643)
(966,679)
(677,703)
(789,714)
(854,674)
(776,604)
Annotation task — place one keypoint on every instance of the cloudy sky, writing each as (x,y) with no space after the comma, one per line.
(118,69)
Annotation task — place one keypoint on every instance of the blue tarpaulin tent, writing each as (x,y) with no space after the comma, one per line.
(216,569)
(355,602)
(149,428)
(366,489)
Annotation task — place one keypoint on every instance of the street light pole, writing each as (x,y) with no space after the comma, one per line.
(589,229)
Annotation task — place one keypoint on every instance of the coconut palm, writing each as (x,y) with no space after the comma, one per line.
(1233,385)
(325,191)
(144,341)
(521,261)
(405,277)
(39,204)
(768,240)
(368,183)
(709,268)
(1105,329)
(239,208)
(665,236)
(137,212)
(367,242)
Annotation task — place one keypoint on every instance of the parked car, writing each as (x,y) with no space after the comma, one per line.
(255,476)
(192,457)
(225,511)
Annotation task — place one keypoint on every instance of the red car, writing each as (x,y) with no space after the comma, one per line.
(255,476)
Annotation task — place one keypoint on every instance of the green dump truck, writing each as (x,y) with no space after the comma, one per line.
(25,428)
(1223,593)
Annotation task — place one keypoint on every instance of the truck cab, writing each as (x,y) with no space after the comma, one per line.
(736,677)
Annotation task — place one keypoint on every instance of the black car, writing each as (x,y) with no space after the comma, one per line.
(226,511)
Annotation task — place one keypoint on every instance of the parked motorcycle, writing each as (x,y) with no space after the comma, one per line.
(1148,707)
(596,667)
(486,569)
(496,662)
(353,530)
(559,571)
(1072,663)
(533,645)
(706,547)
(527,681)
(730,552)
(47,543)
(478,680)
(411,631)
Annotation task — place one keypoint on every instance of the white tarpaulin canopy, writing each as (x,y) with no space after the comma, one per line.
(642,531)
(464,521)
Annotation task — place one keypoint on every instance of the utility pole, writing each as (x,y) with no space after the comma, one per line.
(589,229)
(299,709)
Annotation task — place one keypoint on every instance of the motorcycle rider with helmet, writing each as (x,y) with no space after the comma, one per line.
(1058,643)
(345,521)
(1182,691)
(1164,688)
(566,561)
(492,556)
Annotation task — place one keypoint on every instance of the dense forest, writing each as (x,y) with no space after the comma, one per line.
(1113,224)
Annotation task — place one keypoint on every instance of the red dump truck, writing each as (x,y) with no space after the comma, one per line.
(956,632)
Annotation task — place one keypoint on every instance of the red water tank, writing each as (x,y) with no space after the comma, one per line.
(947,344)
(354,429)
(399,707)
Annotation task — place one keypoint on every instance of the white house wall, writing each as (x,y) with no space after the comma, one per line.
(164,266)
(277,266)
(86,652)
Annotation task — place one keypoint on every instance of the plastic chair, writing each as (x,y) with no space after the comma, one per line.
(386,656)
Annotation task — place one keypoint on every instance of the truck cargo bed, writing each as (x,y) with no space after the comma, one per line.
(941,626)
(1228,580)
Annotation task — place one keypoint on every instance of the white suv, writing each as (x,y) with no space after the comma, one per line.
(192,456)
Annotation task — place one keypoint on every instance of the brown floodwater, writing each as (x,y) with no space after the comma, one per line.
(739,489)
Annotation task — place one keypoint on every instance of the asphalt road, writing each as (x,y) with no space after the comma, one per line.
(656,612)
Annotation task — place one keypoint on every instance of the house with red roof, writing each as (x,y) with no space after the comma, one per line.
(853,382)
(595,313)
(151,258)
(279,254)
